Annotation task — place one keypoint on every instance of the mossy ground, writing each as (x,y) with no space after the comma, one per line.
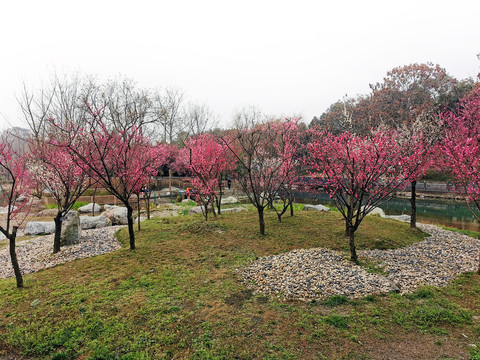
(176,296)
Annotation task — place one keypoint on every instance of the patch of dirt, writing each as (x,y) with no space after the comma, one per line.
(237,299)
(414,346)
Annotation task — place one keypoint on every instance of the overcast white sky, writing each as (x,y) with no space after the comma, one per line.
(285,57)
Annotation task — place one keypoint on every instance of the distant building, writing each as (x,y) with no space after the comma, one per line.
(17,137)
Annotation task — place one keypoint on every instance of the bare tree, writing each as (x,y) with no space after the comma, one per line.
(62,101)
(169,113)
(199,119)
(126,106)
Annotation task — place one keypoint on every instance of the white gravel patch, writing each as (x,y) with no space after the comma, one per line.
(36,254)
(320,273)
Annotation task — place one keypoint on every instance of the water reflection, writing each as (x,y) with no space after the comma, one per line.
(442,212)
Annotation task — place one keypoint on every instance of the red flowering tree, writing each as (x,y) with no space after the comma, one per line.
(121,160)
(14,192)
(53,168)
(359,173)
(209,162)
(418,157)
(461,150)
(288,147)
(262,162)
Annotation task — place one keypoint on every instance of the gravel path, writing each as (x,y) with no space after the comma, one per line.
(320,273)
(432,261)
(36,254)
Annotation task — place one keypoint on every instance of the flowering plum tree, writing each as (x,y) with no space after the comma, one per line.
(53,168)
(288,146)
(208,161)
(461,149)
(263,163)
(121,160)
(359,173)
(418,155)
(14,192)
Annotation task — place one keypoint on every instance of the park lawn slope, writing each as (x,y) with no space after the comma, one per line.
(176,296)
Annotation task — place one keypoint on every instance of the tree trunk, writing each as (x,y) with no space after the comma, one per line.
(130,225)
(58,232)
(353,251)
(291,208)
(270,203)
(413,203)
(279,217)
(261,220)
(138,210)
(219,198)
(206,211)
(347,226)
(93,207)
(13,257)
(147,204)
(213,210)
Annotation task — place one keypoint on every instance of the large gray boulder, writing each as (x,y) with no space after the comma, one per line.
(233,210)
(319,207)
(230,200)
(166,191)
(404,217)
(198,210)
(47,212)
(376,211)
(89,208)
(39,228)
(94,222)
(71,229)
(117,215)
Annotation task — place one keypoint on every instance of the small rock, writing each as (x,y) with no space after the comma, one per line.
(35,303)
(39,227)
(319,207)
(90,207)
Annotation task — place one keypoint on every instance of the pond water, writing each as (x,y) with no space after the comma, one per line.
(429,211)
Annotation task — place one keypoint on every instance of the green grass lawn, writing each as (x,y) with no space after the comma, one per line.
(176,296)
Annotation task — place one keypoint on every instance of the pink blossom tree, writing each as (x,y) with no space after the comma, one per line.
(262,161)
(461,150)
(359,173)
(208,161)
(121,160)
(418,157)
(288,147)
(53,168)
(14,192)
